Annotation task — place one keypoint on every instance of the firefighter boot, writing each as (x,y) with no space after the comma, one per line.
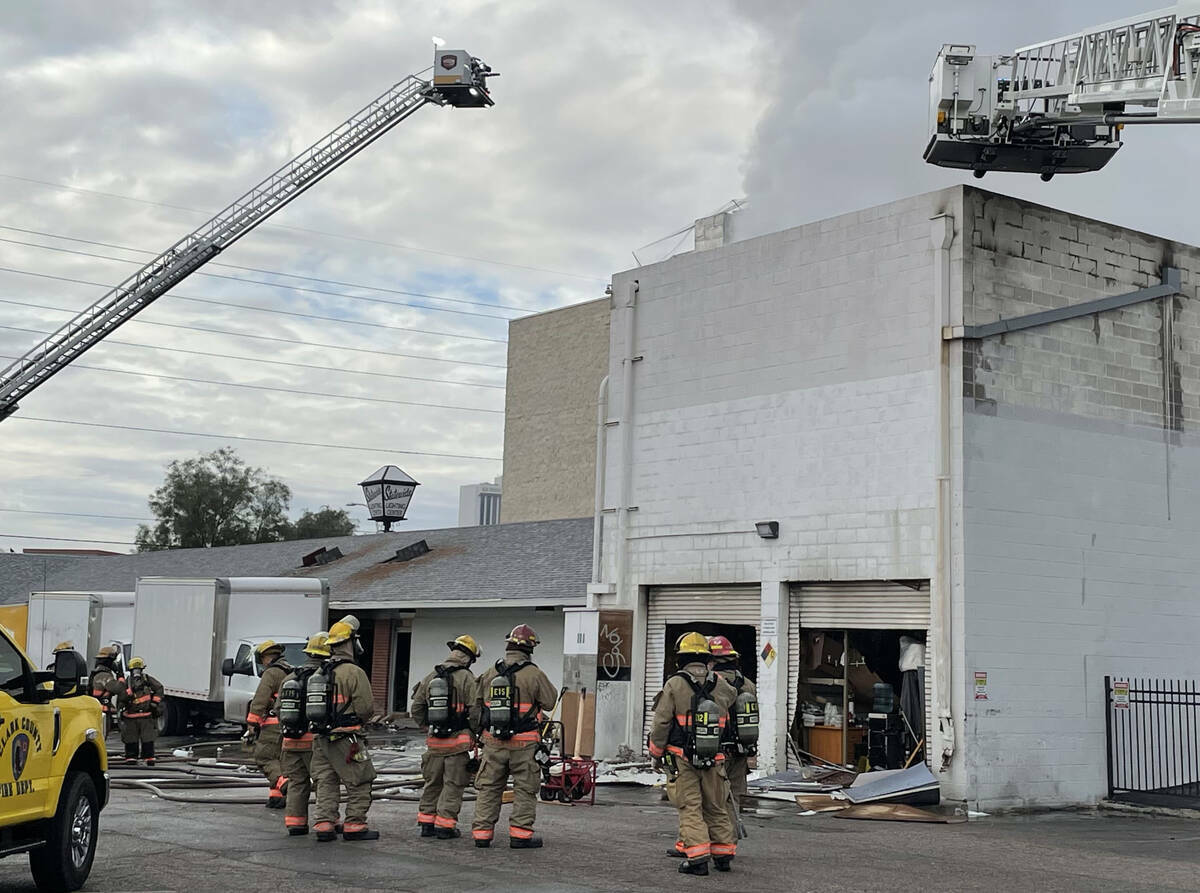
(447,833)
(694,866)
(533,842)
(723,863)
(427,829)
(326,832)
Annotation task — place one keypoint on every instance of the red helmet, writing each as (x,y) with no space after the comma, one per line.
(523,636)
(721,647)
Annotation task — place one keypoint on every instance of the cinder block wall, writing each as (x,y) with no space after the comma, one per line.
(787,377)
(555,363)
(1081,503)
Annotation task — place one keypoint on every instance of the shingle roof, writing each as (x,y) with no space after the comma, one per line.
(538,562)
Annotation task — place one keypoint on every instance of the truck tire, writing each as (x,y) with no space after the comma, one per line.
(174,718)
(65,860)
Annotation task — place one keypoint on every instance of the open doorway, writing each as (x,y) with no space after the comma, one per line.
(743,637)
(401,655)
(861,697)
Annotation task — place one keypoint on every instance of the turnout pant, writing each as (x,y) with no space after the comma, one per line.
(497,764)
(441,798)
(705,825)
(266,758)
(135,731)
(335,762)
(296,766)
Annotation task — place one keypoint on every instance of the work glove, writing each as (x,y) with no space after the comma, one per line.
(250,736)
(656,764)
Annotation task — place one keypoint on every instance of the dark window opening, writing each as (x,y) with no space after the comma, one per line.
(744,639)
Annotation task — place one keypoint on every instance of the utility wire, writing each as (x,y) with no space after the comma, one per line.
(63,539)
(333,319)
(172,325)
(260,387)
(327,446)
(227,357)
(301,229)
(284,286)
(74,515)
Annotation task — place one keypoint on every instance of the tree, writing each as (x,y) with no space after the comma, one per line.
(215,500)
(315,525)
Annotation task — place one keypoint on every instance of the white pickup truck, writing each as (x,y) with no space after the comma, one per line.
(198,637)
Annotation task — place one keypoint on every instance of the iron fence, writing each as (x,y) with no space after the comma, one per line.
(1153,734)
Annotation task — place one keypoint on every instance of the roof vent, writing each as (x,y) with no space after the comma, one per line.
(408,553)
(321,556)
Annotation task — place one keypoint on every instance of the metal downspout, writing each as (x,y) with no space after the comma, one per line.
(601,458)
(630,305)
(941,233)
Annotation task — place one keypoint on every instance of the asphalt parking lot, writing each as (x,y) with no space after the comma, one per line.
(148,844)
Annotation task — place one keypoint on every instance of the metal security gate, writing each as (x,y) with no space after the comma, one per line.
(1153,738)
(729,605)
(868,605)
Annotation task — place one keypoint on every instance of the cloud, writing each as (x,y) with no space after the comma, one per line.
(614,122)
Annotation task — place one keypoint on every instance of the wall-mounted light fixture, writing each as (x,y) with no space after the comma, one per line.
(768,530)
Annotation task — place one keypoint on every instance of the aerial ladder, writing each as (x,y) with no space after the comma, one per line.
(1059,107)
(459,80)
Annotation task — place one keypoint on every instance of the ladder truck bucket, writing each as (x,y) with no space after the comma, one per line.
(461,79)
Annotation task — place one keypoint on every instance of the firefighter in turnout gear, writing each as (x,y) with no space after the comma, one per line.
(262,720)
(141,704)
(513,696)
(295,755)
(690,714)
(338,702)
(446,706)
(741,730)
(106,686)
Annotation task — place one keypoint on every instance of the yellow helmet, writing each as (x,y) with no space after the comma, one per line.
(339,632)
(266,646)
(467,644)
(316,645)
(692,643)
(108,652)
(64,646)
(137,664)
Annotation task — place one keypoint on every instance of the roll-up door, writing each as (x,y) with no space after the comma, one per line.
(670,606)
(869,605)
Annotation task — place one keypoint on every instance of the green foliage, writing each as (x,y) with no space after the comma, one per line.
(317,525)
(215,500)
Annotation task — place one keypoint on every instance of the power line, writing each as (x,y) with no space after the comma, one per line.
(301,229)
(222,356)
(327,446)
(74,515)
(63,539)
(172,325)
(333,319)
(300,288)
(259,387)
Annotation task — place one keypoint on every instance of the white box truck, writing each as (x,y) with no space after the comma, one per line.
(198,636)
(86,619)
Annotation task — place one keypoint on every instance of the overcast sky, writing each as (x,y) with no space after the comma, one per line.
(616,123)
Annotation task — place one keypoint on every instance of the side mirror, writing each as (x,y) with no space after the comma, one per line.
(70,674)
(227,668)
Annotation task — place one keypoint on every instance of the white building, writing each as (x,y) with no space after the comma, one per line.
(479,504)
(1026,500)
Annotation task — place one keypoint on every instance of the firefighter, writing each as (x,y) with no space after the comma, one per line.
(739,752)
(445,706)
(295,755)
(513,696)
(141,705)
(262,720)
(105,685)
(339,754)
(690,714)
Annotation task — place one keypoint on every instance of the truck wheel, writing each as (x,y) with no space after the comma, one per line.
(65,860)
(172,718)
